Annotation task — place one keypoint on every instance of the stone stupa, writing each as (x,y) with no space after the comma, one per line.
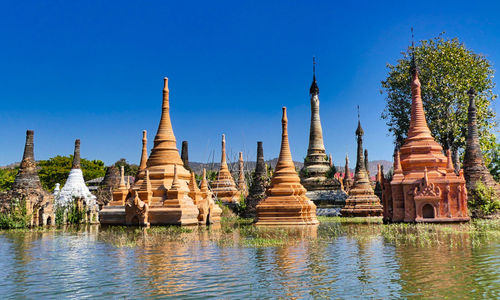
(286,202)
(320,189)
(260,182)
(362,202)
(75,189)
(185,155)
(425,187)
(27,186)
(347,180)
(223,187)
(474,168)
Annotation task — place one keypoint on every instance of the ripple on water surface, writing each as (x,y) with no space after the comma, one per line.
(348,261)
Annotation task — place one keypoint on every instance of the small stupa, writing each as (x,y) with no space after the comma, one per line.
(362,201)
(75,188)
(242,185)
(141,172)
(27,186)
(424,187)
(215,212)
(111,178)
(474,168)
(347,176)
(320,189)
(286,202)
(224,187)
(260,182)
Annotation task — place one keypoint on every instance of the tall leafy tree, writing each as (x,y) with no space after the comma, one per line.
(128,169)
(56,170)
(447,71)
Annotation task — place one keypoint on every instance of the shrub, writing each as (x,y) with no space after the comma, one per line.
(484,201)
(15,216)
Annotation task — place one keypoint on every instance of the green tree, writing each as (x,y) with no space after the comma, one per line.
(7,176)
(56,170)
(447,70)
(129,169)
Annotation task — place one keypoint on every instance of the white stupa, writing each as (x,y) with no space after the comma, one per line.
(75,187)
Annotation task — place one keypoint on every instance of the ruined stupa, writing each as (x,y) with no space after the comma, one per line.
(286,202)
(362,201)
(320,189)
(156,198)
(424,187)
(215,212)
(75,189)
(224,187)
(347,180)
(260,182)
(27,187)
(242,185)
(474,168)
(185,155)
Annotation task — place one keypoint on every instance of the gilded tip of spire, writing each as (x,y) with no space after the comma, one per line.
(223,138)
(144,133)
(241,155)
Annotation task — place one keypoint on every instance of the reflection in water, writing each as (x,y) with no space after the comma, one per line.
(330,261)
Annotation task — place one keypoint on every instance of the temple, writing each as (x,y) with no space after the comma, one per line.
(259,183)
(424,187)
(320,189)
(474,168)
(362,201)
(223,187)
(76,192)
(286,202)
(160,196)
(27,188)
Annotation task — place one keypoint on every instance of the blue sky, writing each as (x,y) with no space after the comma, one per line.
(94,70)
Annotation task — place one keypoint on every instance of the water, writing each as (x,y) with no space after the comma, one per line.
(332,261)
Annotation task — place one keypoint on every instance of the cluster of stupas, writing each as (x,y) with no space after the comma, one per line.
(27,190)
(425,187)
(75,191)
(165,191)
(317,164)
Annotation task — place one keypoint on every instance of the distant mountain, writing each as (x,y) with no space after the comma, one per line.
(233,167)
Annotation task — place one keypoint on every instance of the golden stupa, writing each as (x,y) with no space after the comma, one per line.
(224,187)
(286,202)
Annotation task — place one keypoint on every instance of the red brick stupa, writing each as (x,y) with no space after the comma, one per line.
(286,202)
(424,187)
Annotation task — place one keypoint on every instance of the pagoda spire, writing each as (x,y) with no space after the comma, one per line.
(144,154)
(165,149)
(418,124)
(241,176)
(76,155)
(316,144)
(185,155)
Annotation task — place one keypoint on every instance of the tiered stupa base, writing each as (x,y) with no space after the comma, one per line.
(362,205)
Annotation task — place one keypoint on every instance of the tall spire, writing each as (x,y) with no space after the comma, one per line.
(285,157)
(242,186)
(165,149)
(76,155)
(360,162)
(418,124)
(144,154)
(260,166)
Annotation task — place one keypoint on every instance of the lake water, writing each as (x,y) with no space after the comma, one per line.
(334,260)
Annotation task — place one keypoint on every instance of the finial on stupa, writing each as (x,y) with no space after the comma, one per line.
(144,154)
(204,184)
(449,161)
(122,178)
(166,103)
(314,89)
(426,177)
(128,182)
(347,172)
(359,130)
(223,155)
(330,160)
(76,156)
(175,182)
(397,162)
